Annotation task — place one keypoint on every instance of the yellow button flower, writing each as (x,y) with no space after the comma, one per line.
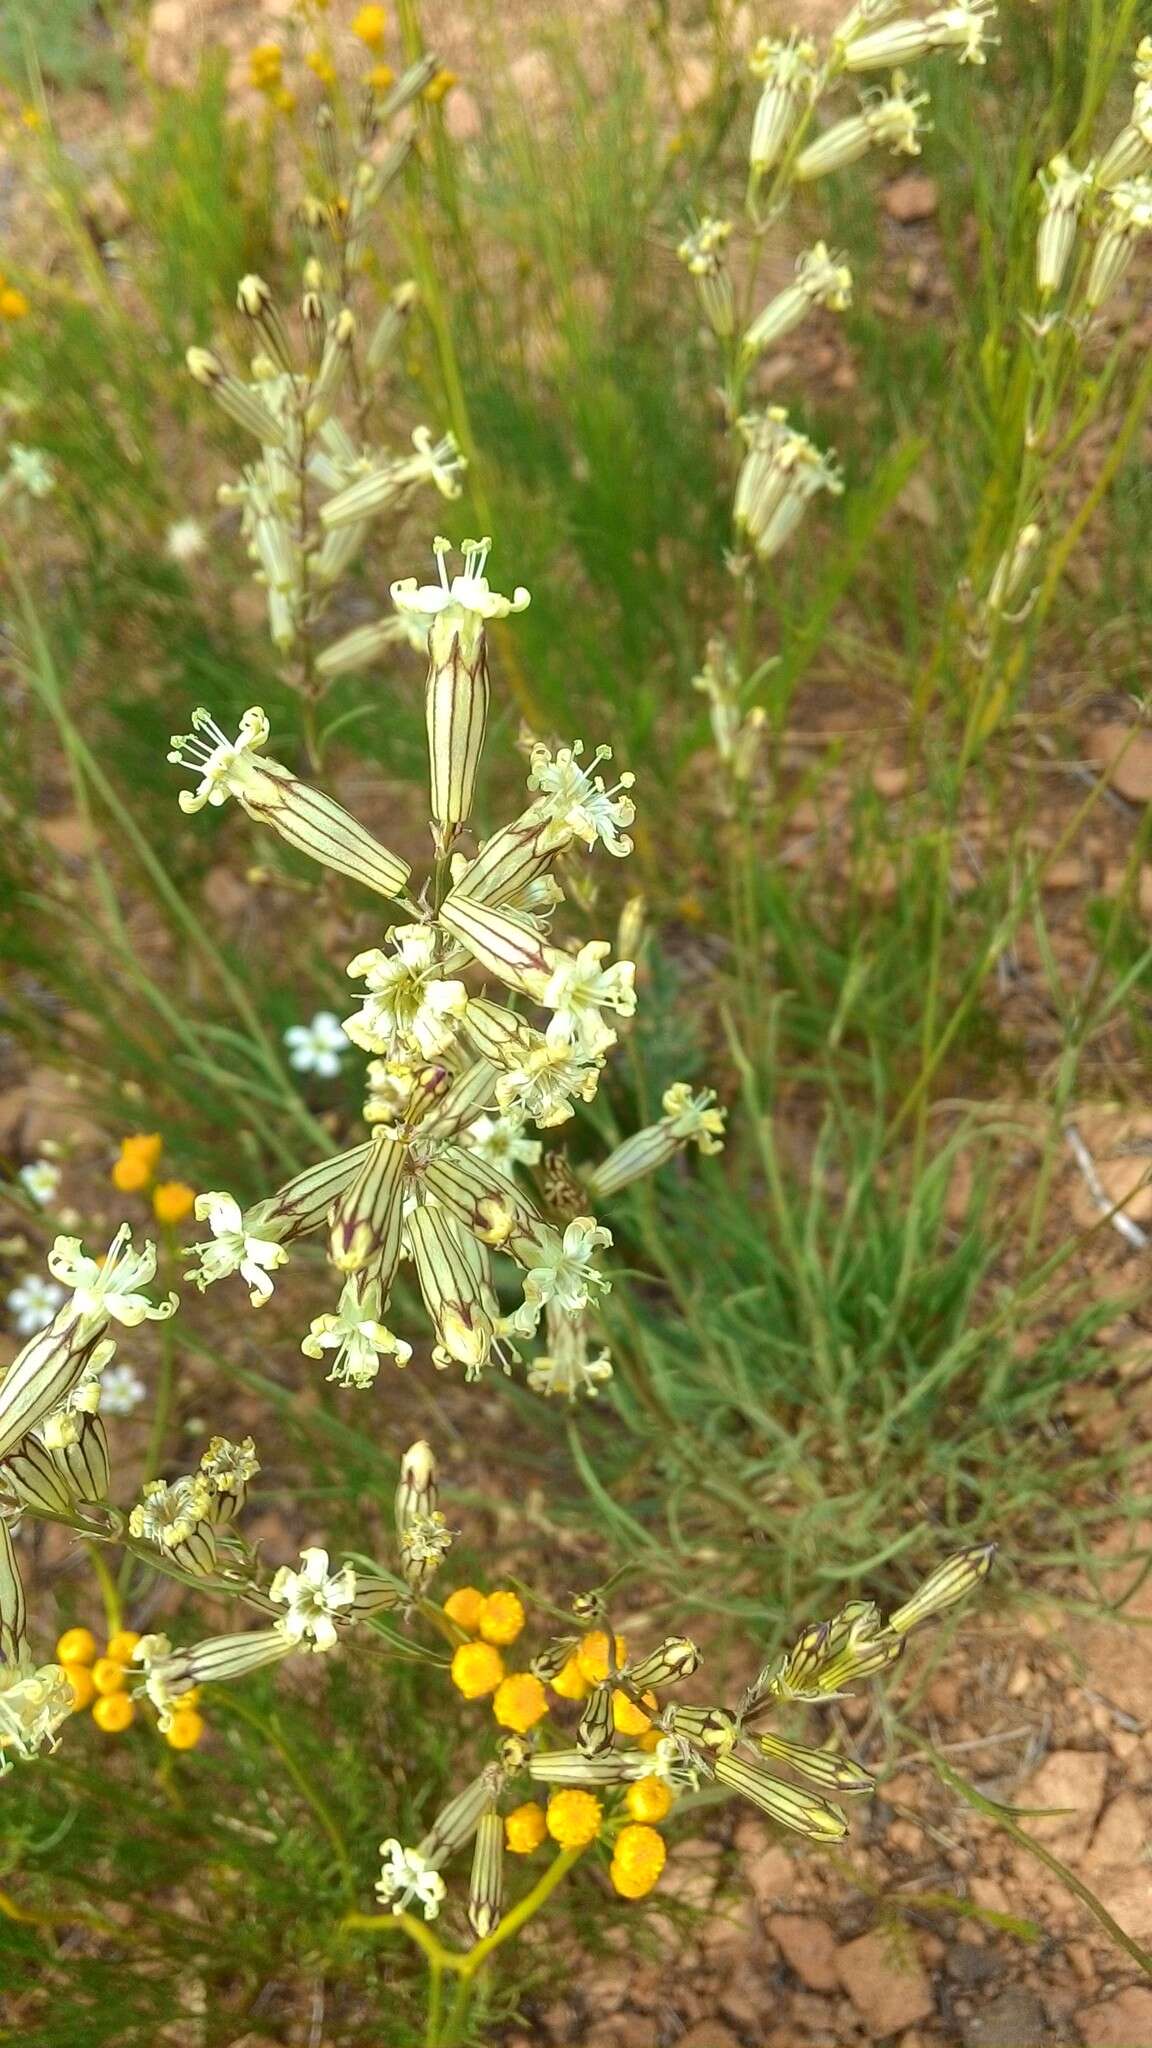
(570,1681)
(637,1860)
(464,1607)
(501,1618)
(322,65)
(13,304)
(266,66)
(108,1675)
(525,1828)
(573,1818)
(172,1201)
(381,77)
(83,1686)
(628,1719)
(439,87)
(476,1669)
(592,1656)
(137,1163)
(185,1728)
(648,1799)
(122,1644)
(114,1713)
(520,1702)
(370,25)
(76,1646)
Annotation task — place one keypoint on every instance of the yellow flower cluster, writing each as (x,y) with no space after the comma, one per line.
(13,303)
(370,25)
(266,75)
(266,67)
(495,1620)
(134,1171)
(100,1682)
(638,1857)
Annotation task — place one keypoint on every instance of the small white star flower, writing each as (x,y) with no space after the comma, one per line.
(184,540)
(579,988)
(406,1875)
(467,593)
(32,1303)
(233,1250)
(121,1390)
(409,1005)
(107,1288)
(40,1180)
(318,1047)
(501,1141)
(576,798)
(312,1596)
(356,1335)
(564,1272)
(31,471)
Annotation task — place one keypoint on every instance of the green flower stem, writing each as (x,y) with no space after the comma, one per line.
(109,1591)
(464,1964)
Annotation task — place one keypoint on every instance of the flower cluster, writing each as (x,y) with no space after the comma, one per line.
(631,1753)
(459,1070)
(99,1681)
(308,500)
(134,1172)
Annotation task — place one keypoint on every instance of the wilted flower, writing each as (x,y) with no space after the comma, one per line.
(787,72)
(887,120)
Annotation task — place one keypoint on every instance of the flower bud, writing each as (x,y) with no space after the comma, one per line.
(360,647)
(235,398)
(486,1887)
(952,1581)
(13,1608)
(1130,155)
(1064,190)
(1012,577)
(676,1658)
(804,1812)
(703,255)
(391,324)
(333,367)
